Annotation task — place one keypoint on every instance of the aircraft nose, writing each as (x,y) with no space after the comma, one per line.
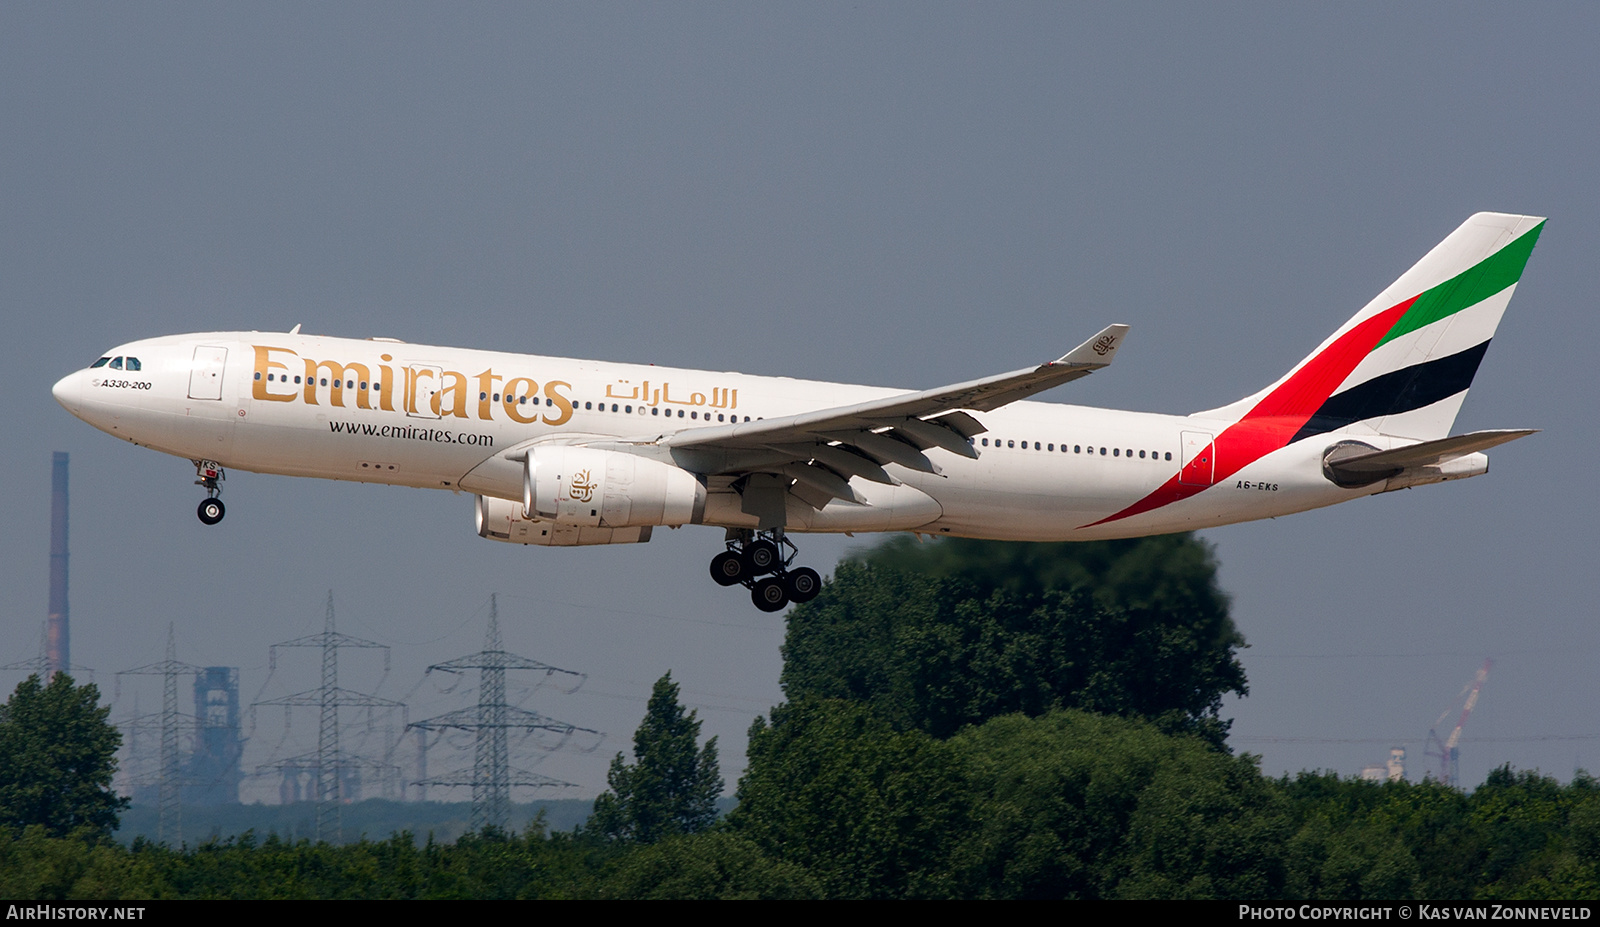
(69,392)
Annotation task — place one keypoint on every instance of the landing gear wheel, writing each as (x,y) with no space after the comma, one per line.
(211,511)
(802,584)
(762,557)
(769,594)
(728,569)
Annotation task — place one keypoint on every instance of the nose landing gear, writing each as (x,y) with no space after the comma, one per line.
(757,561)
(211,476)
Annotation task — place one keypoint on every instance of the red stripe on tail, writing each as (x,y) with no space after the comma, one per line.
(1280,414)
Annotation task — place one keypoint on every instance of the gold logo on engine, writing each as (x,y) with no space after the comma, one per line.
(580,489)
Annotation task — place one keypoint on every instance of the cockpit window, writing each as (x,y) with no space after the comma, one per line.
(116,363)
(132,364)
(100,363)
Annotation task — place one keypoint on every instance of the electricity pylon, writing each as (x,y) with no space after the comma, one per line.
(492,775)
(170,827)
(329,761)
(42,664)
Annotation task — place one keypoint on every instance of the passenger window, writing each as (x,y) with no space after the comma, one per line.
(1116,452)
(1011,444)
(1036,445)
(1102,452)
(655,411)
(1077,449)
(985,442)
(1141,455)
(629,409)
(1169,455)
(100,363)
(613,407)
(1050,447)
(116,363)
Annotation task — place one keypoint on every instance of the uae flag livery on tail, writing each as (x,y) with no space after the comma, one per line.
(1400,367)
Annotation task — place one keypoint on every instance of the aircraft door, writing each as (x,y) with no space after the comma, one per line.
(205,375)
(423,383)
(1199,464)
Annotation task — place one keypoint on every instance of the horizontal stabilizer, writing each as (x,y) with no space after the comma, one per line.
(1426,454)
(1354,464)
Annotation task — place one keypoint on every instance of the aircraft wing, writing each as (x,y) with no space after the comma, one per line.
(822,449)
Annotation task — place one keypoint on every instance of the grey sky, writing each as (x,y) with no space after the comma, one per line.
(898,194)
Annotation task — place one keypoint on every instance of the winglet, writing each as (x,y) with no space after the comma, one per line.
(1097,351)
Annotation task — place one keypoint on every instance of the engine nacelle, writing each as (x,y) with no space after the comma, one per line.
(502,520)
(590,488)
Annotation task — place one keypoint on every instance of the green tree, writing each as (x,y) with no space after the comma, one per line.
(1528,816)
(57,757)
(938,636)
(671,787)
(868,811)
(718,865)
(1170,571)
(1077,805)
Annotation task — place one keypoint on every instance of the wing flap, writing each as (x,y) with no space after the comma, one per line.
(937,436)
(847,462)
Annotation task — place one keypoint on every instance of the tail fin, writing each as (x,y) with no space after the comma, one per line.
(1402,365)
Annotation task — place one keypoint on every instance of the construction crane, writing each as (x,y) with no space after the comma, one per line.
(1448,750)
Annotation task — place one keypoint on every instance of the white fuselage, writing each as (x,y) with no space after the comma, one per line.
(447,418)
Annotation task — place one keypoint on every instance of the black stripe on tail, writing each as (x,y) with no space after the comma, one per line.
(1393,393)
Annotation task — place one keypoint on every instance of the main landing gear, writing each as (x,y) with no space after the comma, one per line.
(211,476)
(759,561)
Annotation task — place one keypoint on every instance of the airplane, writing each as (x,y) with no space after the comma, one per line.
(562,452)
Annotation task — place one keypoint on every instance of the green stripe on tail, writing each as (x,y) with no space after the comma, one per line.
(1468,288)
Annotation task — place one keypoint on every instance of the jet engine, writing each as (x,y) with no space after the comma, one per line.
(590,488)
